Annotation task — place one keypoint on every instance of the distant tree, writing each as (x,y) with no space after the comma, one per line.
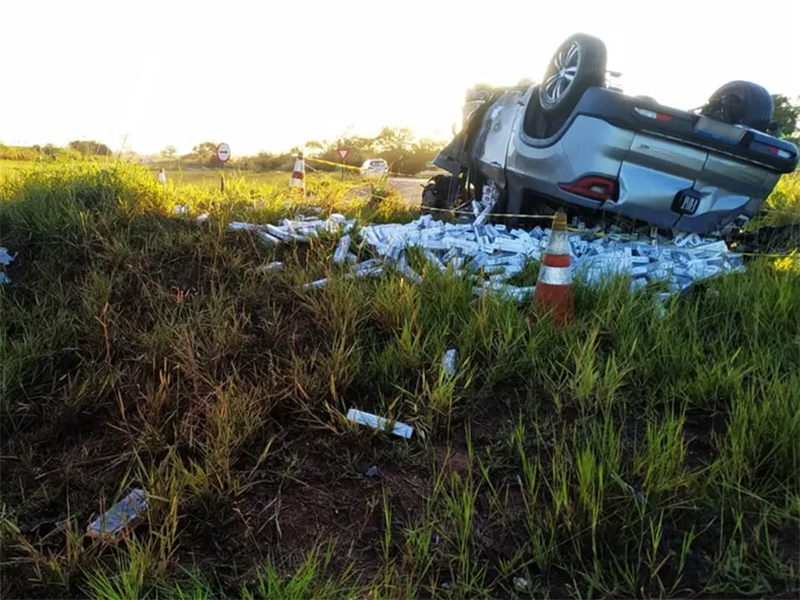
(266,161)
(394,140)
(205,152)
(785,113)
(169,152)
(90,148)
(315,146)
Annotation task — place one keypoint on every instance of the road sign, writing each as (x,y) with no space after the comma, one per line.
(223,153)
(343,152)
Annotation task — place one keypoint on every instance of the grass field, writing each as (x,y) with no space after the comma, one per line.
(176,175)
(630,454)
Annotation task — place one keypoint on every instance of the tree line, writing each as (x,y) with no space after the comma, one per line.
(398,146)
(75,149)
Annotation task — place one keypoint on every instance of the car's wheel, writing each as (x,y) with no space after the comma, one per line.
(741,103)
(436,193)
(578,64)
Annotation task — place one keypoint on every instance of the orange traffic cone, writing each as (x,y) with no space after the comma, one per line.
(554,286)
(299,174)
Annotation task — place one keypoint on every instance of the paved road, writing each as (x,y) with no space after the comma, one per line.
(409,188)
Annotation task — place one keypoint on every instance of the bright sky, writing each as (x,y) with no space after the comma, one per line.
(269,75)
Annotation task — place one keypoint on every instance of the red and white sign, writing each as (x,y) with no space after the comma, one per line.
(343,152)
(223,152)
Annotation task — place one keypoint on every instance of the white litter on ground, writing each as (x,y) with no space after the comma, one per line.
(5,257)
(342,249)
(380,423)
(270,267)
(5,260)
(298,231)
(449,362)
(493,254)
(501,253)
(120,518)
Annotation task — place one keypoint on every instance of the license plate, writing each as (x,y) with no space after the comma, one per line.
(719,131)
(686,202)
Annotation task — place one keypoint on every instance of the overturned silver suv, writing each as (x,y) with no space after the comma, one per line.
(576,142)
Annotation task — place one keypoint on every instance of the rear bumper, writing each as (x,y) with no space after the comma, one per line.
(651,171)
(620,110)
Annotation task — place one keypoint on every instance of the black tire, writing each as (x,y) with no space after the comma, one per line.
(589,70)
(741,103)
(436,193)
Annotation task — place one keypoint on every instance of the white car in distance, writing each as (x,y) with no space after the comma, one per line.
(375,166)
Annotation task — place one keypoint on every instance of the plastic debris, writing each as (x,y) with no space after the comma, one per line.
(380,423)
(237,226)
(595,258)
(202,218)
(120,519)
(5,260)
(371,472)
(267,239)
(449,362)
(521,583)
(271,267)
(315,284)
(342,249)
(180,209)
(491,255)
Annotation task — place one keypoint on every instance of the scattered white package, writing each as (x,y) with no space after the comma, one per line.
(118,520)
(449,362)
(5,260)
(271,267)
(5,257)
(380,423)
(341,249)
(501,254)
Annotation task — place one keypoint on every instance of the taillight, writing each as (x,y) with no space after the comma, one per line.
(778,152)
(773,150)
(651,114)
(594,187)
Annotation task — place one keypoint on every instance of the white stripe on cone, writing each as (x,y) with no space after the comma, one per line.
(555,275)
(558,243)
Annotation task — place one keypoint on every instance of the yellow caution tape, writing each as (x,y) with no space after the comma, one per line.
(352,168)
(470,212)
(333,164)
